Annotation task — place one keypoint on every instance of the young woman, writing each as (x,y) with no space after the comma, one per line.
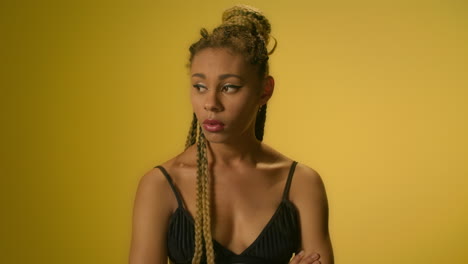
(229,197)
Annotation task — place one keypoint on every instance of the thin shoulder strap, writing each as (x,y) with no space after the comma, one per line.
(288,182)
(174,189)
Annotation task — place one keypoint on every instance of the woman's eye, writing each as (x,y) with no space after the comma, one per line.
(199,87)
(230,88)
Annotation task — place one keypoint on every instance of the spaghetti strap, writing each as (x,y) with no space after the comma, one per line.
(288,182)
(174,189)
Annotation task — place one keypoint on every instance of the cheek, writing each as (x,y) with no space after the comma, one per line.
(245,110)
(195,101)
(195,107)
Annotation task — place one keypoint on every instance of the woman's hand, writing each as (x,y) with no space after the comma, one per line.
(303,258)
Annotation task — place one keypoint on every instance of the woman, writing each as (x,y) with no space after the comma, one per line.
(229,197)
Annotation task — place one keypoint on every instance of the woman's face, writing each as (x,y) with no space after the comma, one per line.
(226,93)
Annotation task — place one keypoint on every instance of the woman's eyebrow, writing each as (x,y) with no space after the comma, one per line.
(201,75)
(221,77)
(225,76)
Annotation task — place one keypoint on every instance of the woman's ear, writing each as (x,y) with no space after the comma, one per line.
(268,86)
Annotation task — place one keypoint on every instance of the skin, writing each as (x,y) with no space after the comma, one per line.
(249,176)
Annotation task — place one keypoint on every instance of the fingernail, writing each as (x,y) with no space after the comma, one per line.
(315,256)
(301,253)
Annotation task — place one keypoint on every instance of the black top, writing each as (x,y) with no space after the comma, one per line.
(275,244)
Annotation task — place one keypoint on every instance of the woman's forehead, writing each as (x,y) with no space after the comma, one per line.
(212,60)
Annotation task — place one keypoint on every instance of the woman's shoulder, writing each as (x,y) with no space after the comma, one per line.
(305,177)
(307,186)
(184,159)
(156,182)
(274,158)
(179,164)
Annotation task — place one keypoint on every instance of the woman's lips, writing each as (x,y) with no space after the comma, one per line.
(213,125)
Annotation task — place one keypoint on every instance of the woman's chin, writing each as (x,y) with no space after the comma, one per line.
(216,138)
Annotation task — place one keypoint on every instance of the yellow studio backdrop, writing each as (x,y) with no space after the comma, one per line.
(372,94)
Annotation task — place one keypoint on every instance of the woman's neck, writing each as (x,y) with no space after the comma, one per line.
(234,153)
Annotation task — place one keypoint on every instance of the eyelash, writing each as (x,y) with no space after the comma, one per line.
(235,87)
(199,86)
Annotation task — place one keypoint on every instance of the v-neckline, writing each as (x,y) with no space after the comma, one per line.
(260,235)
(284,201)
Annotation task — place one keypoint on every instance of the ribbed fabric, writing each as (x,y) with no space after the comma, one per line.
(279,239)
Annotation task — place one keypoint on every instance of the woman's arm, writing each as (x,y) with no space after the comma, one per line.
(309,195)
(151,213)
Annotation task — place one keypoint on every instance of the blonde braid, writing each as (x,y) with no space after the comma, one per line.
(192,135)
(206,204)
(191,140)
(199,215)
(203,218)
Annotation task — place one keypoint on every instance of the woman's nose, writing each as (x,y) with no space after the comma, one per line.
(212,102)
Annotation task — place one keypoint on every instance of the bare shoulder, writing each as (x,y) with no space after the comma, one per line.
(152,209)
(183,160)
(307,183)
(309,195)
(155,183)
(272,158)
(154,196)
(152,193)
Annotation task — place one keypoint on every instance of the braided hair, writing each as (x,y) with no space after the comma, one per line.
(244,30)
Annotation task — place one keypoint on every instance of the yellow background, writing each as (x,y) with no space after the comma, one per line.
(372,94)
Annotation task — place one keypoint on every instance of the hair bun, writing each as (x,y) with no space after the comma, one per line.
(250,17)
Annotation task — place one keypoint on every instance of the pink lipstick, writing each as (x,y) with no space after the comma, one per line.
(213,125)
